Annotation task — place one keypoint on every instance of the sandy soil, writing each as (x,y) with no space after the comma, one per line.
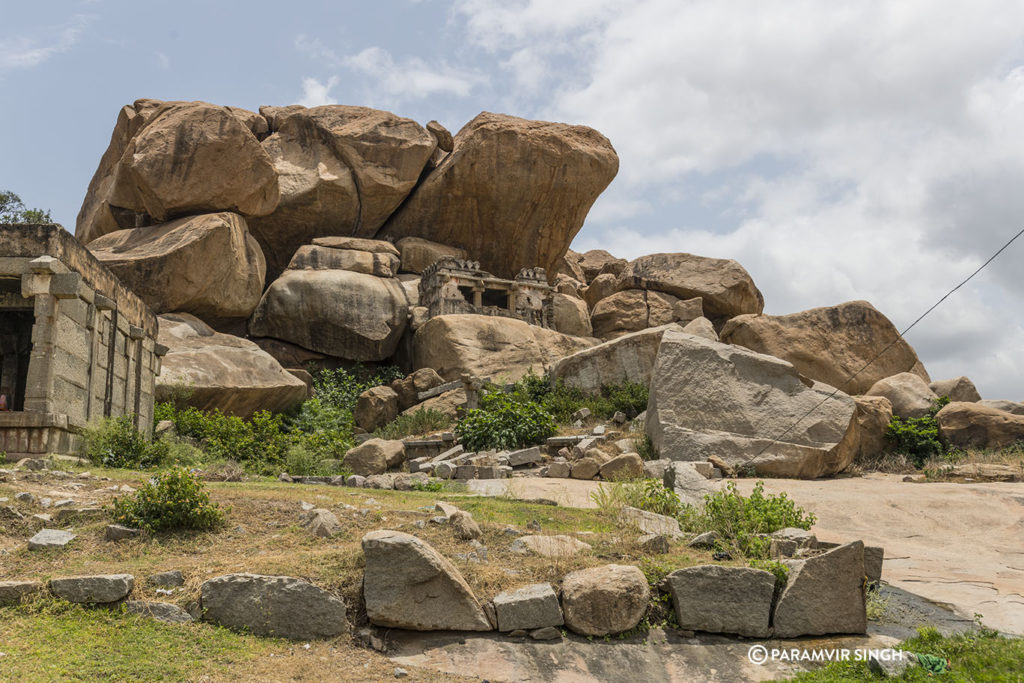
(958,544)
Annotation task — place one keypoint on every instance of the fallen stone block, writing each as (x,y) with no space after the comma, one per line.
(530,607)
(717,599)
(99,589)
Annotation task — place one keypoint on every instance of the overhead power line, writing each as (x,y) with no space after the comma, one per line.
(888,346)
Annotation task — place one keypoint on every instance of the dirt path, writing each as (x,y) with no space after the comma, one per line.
(959,544)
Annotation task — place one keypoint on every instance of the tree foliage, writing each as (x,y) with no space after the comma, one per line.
(13,210)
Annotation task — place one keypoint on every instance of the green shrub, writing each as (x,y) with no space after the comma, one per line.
(917,438)
(742,519)
(646,494)
(419,421)
(341,387)
(562,400)
(172,500)
(503,421)
(304,460)
(115,442)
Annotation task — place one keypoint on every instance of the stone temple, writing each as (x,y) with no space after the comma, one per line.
(75,344)
(451,285)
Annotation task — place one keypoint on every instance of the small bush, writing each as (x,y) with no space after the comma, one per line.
(341,387)
(420,421)
(917,438)
(172,500)
(504,421)
(645,494)
(303,460)
(742,520)
(562,400)
(115,442)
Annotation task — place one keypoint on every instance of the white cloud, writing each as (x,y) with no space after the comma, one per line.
(27,51)
(316,93)
(411,78)
(869,150)
(163,61)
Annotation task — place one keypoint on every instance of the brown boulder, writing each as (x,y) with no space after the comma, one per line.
(206,265)
(873,416)
(375,407)
(907,392)
(343,170)
(596,261)
(629,358)
(409,388)
(830,344)
(418,253)
(488,346)
(969,425)
(569,265)
(169,159)
(221,371)
(958,389)
(602,286)
(513,192)
(337,312)
(571,315)
(375,456)
(724,285)
(314,257)
(633,310)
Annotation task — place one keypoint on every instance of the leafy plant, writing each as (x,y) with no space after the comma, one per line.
(303,460)
(562,400)
(780,570)
(420,421)
(917,438)
(172,500)
(645,447)
(745,520)
(504,420)
(115,442)
(341,387)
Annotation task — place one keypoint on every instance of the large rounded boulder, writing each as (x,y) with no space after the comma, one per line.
(220,371)
(172,159)
(342,171)
(513,193)
(831,344)
(340,313)
(726,288)
(603,601)
(207,265)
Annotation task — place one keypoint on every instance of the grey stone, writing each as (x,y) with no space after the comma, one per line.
(50,538)
(161,611)
(653,469)
(407,584)
(117,532)
(380,481)
(322,523)
(525,456)
(25,497)
(705,541)
(605,600)
(802,537)
(548,546)
(717,599)
(581,414)
(655,544)
(99,589)
(891,663)
(689,485)
(168,579)
(559,470)
(13,592)
(619,417)
(741,422)
(463,525)
(585,468)
(546,633)
(356,481)
(649,522)
(278,606)
(530,607)
(824,594)
(443,470)
(873,557)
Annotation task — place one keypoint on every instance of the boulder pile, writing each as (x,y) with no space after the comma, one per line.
(268,241)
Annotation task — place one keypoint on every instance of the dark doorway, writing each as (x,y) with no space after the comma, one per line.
(15,352)
(495,297)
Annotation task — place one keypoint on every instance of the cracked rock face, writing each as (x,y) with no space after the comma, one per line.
(341,171)
(408,584)
(512,192)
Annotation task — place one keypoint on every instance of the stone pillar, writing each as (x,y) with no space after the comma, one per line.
(39,383)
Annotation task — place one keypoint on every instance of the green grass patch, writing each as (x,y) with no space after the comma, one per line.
(980,655)
(418,422)
(49,640)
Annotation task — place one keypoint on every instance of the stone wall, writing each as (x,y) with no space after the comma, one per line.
(94,352)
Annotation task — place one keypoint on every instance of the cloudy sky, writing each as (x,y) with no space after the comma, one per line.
(870,150)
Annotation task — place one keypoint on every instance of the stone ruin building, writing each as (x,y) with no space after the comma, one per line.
(452,285)
(75,344)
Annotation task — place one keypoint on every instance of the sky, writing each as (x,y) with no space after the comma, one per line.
(839,151)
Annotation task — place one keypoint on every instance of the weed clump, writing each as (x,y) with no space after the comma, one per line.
(172,500)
